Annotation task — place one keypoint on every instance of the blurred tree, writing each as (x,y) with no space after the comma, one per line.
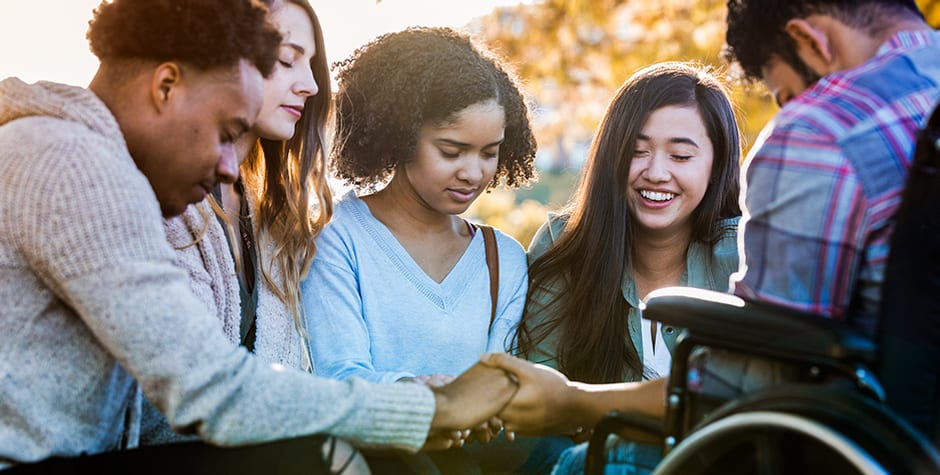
(574,54)
(499,208)
(931,9)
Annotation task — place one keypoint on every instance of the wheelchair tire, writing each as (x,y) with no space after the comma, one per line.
(802,429)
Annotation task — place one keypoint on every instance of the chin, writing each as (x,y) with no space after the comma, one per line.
(286,135)
(170,210)
(279,133)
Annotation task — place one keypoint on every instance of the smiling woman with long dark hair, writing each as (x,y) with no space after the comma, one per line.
(656,206)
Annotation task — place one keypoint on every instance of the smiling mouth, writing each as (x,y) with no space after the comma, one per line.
(657,196)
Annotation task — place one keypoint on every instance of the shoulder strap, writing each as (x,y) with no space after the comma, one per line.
(492,263)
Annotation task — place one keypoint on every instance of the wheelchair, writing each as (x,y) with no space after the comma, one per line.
(850,404)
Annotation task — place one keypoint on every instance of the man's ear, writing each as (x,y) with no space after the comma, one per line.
(166,80)
(812,44)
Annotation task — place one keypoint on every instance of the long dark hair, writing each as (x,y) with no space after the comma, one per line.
(589,260)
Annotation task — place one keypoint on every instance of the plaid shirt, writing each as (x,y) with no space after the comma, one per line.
(824,181)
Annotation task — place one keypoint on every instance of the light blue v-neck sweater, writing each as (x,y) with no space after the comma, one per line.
(373,313)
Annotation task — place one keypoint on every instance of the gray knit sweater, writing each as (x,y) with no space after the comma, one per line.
(90,299)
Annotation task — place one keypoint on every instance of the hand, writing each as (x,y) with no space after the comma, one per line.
(548,403)
(444,440)
(472,398)
(433,380)
(486,431)
(545,401)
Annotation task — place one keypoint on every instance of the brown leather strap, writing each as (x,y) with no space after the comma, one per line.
(492,262)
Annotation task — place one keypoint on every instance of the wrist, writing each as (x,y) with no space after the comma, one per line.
(443,417)
(579,406)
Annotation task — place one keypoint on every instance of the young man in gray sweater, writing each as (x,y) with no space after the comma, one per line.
(94,311)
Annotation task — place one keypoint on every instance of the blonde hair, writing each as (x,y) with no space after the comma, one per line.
(287,179)
(283,178)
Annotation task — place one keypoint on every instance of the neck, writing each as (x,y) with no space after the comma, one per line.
(906,23)
(98,85)
(116,91)
(399,207)
(659,261)
(854,47)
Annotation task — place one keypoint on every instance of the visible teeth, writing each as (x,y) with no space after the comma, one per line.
(656,196)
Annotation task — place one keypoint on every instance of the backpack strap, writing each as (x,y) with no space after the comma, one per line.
(492,263)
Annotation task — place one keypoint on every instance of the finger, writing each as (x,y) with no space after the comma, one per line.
(506,362)
(438,442)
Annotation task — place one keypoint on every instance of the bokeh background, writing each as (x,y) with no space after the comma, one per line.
(572,55)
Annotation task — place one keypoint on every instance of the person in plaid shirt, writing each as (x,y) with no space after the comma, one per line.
(855,82)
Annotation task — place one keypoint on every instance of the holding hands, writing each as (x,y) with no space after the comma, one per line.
(505,392)
(470,400)
(547,403)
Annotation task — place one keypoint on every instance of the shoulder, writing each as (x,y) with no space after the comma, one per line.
(547,234)
(184,229)
(69,144)
(716,263)
(345,207)
(511,252)
(727,244)
(348,213)
(875,92)
(56,157)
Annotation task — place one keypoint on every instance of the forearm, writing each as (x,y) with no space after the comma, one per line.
(205,384)
(591,402)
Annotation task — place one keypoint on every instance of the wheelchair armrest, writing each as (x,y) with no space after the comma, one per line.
(739,323)
(626,425)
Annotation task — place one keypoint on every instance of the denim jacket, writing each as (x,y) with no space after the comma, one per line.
(707,267)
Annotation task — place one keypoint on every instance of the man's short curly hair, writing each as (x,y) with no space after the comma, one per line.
(756,28)
(208,34)
(400,82)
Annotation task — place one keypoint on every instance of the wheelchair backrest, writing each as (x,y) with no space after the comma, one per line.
(909,328)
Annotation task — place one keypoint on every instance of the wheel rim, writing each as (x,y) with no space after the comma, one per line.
(703,446)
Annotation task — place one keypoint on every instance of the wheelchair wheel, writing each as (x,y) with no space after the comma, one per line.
(802,429)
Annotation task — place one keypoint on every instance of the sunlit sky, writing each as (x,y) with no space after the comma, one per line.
(45,39)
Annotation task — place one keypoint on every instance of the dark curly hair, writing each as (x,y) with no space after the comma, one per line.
(399,82)
(756,28)
(208,34)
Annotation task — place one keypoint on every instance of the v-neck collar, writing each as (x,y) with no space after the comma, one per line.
(444,294)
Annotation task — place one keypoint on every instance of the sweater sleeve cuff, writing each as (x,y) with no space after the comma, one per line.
(402,414)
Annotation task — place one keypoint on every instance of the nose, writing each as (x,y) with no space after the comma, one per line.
(306,84)
(227,169)
(657,169)
(472,169)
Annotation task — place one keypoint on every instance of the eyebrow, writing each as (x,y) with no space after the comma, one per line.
(674,140)
(462,144)
(296,47)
